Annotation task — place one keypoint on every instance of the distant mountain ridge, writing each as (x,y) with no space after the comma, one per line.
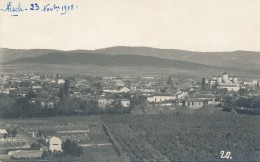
(60,58)
(237,59)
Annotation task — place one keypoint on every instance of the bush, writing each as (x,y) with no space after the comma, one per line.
(71,148)
(35,146)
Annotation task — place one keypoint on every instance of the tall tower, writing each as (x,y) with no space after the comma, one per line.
(235,80)
(225,76)
(204,83)
(219,80)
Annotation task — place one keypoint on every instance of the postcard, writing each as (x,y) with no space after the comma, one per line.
(129,80)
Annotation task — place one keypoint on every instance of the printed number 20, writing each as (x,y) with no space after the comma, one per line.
(35,5)
(225,156)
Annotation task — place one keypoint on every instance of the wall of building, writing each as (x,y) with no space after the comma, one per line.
(193,104)
(160,98)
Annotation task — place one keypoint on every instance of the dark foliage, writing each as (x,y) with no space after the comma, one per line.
(35,146)
(71,148)
(12,132)
(183,137)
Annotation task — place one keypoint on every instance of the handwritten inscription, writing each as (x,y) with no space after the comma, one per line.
(226,155)
(16,8)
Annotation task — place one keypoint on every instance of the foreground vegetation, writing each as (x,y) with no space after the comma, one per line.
(187,137)
(197,136)
(73,127)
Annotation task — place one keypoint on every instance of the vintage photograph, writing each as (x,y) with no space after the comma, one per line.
(129,81)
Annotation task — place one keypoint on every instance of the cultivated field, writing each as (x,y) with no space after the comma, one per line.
(86,131)
(181,136)
(186,137)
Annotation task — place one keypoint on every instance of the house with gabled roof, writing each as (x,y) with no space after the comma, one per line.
(159,97)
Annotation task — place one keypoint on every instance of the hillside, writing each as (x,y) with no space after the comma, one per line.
(13,54)
(237,59)
(60,58)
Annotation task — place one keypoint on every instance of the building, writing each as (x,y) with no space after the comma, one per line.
(124,102)
(194,103)
(104,102)
(181,95)
(3,133)
(34,87)
(159,97)
(26,154)
(55,144)
(123,90)
(223,82)
(118,90)
(61,81)
(119,83)
(211,98)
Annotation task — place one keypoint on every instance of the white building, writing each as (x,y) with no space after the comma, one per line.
(36,87)
(225,82)
(147,90)
(194,103)
(118,90)
(61,81)
(181,95)
(124,102)
(55,144)
(104,102)
(159,97)
(119,83)
(3,133)
(123,90)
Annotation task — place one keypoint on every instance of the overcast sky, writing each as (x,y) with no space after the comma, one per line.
(197,25)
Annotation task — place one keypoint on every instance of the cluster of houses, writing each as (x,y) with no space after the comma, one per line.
(101,89)
(24,152)
(228,82)
(109,90)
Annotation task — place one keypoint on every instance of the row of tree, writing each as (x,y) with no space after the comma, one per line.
(23,107)
(247,105)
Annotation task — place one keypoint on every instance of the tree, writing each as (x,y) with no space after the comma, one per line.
(223,91)
(12,94)
(66,88)
(229,103)
(242,91)
(256,105)
(31,94)
(71,148)
(69,105)
(138,100)
(35,146)
(169,81)
(61,93)
(12,132)
(97,86)
(90,107)
(243,102)
(24,84)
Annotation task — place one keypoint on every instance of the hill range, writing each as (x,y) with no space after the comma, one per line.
(235,59)
(136,57)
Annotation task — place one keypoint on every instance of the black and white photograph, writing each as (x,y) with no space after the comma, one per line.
(129,80)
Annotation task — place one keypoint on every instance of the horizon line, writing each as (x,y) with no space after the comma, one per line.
(125,47)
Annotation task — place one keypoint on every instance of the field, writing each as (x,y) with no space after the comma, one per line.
(161,137)
(86,131)
(186,137)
